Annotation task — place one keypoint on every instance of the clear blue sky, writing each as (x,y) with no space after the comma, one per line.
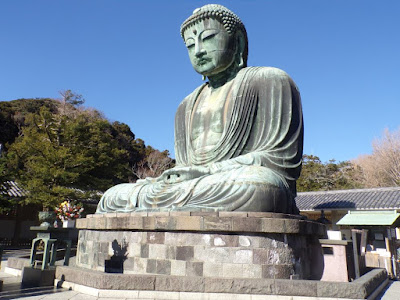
(128,60)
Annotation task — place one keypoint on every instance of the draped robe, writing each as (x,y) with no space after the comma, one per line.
(253,167)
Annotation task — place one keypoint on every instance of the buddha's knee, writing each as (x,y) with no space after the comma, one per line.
(259,175)
(267,198)
(269,192)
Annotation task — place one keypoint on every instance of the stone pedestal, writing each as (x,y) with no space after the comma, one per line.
(32,277)
(188,255)
(242,245)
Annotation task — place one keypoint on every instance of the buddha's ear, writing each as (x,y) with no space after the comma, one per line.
(241,44)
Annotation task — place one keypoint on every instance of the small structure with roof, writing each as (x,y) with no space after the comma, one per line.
(336,204)
(375,212)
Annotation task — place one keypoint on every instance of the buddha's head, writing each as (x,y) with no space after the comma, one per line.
(216,40)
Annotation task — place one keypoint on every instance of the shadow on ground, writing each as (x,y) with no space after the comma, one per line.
(14,291)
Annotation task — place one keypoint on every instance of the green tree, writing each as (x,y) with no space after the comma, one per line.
(12,116)
(318,176)
(4,203)
(69,97)
(7,203)
(135,148)
(61,156)
(59,149)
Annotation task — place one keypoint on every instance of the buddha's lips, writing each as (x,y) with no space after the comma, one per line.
(203,61)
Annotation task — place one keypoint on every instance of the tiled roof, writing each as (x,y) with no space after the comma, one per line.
(359,199)
(11,189)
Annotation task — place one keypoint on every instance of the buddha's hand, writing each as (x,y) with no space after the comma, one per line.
(179,174)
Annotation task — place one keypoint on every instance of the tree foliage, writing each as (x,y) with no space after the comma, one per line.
(73,99)
(6,203)
(3,178)
(64,151)
(319,176)
(12,116)
(382,167)
(56,154)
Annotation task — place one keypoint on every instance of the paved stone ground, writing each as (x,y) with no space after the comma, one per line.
(12,287)
(391,292)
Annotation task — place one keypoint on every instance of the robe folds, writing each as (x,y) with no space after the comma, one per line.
(253,167)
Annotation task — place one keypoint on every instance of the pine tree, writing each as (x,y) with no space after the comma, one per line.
(61,156)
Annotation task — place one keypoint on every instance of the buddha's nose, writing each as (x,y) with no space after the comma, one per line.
(199,50)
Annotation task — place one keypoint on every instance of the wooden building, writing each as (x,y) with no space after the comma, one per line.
(375,212)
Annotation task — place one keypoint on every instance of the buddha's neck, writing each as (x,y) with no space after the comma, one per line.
(223,77)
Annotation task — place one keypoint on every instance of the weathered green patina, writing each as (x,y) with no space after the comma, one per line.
(238,137)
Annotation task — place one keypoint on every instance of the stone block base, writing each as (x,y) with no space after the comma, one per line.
(32,277)
(203,244)
(100,284)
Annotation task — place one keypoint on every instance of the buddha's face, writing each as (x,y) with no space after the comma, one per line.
(211,48)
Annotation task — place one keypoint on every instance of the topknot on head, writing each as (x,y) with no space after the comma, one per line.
(229,20)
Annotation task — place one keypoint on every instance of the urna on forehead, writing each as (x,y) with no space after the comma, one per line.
(230,20)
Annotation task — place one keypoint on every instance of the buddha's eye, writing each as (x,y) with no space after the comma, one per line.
(209,34)
(189,43)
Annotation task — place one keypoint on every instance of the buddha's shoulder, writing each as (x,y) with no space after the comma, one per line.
(192,96)
(267,72)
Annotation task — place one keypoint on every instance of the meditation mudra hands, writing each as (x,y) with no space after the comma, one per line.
(179,174)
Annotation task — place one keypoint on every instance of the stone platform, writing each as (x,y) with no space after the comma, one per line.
(104,285)
(207,256)
(241,245)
